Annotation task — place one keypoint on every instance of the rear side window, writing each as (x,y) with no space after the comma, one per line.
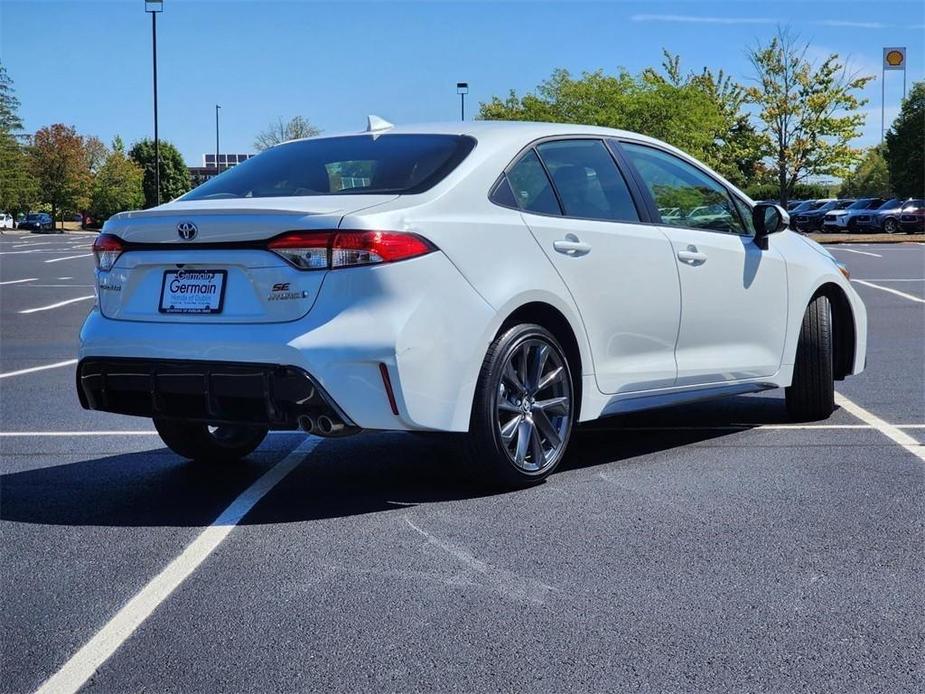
(399,163)
(685,195)
(588,181)
(531,187)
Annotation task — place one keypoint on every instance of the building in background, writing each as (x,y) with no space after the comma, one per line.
(200,174)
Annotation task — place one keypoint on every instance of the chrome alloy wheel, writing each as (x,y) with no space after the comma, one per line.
(533,405)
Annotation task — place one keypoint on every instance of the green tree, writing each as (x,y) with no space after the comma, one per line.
(18,191)
(735,147)
(905,146)
(810,112)
(698,113)
(801,191)
(117,185)
(9,104)
(282,131)
(870,178)
(175,179)
(58,160)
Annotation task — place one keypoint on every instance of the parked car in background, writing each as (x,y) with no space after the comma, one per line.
(871,220)
(912,217)
(809,205)
(89,222)
(37,221)
(7,221)
(793,204)
(841,221)
(503,281)
(812,220)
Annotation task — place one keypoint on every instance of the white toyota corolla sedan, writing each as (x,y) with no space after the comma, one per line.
(504,281)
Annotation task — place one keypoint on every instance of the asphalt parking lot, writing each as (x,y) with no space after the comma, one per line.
(710,547)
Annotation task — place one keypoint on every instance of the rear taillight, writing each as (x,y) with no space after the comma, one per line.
(323,250)
(106,249)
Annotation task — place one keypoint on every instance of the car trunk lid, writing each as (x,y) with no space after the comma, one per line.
(206,261)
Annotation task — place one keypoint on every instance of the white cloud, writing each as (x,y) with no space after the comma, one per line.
(692,19)
(695,19)
(856,25)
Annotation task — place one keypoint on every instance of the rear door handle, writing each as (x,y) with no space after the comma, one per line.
(691,256)
(570,245)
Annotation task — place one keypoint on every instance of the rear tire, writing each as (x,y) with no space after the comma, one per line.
(890,226)
(523,411)
(196,441)
(811,395)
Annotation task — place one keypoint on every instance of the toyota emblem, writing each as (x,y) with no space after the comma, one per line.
(187,230)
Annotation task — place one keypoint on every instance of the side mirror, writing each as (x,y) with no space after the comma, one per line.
(768,219)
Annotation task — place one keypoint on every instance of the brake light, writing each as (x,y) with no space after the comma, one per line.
(323,250)
(106,249)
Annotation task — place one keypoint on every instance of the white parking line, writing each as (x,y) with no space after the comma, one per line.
(70,257)
(891,291)
(81,666)
(888,430)
(59,304)
(851,250)
(30,279)
(33,369)
(890,279)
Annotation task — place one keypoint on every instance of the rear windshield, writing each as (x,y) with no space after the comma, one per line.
(354,164)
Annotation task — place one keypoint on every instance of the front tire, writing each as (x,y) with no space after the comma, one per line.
(811,395)
(201,442)
(523,411)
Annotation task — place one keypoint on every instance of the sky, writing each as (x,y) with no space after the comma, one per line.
(88,64)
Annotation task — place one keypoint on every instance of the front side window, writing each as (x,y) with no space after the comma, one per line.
(701,202)
(588,181)
(397,163)
(530,186)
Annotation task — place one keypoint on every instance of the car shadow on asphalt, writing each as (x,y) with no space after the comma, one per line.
(369,473)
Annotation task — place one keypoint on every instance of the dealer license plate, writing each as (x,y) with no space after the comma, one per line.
(193,291)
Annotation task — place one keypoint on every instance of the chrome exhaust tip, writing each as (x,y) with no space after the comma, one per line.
(306,424)
(327,426)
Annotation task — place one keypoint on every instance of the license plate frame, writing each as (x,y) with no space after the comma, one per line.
(193,308)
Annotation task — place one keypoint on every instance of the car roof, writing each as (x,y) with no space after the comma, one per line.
(498,130)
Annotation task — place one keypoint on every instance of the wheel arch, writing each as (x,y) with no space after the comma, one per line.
(844,329)
(554,321)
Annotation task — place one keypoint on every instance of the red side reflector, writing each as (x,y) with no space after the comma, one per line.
(387,382)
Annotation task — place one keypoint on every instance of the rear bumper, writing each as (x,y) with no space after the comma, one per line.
(206,391)
(419,318)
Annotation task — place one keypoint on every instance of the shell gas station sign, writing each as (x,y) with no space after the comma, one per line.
(894,58)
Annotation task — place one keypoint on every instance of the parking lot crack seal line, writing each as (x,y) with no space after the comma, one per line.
(81,666)
(505,582)
(888,430)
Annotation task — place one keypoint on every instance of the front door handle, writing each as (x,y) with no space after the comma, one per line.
(570,245)
(691,256)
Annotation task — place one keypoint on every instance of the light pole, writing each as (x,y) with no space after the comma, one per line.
(217,169)
(154,7)
(462,88)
